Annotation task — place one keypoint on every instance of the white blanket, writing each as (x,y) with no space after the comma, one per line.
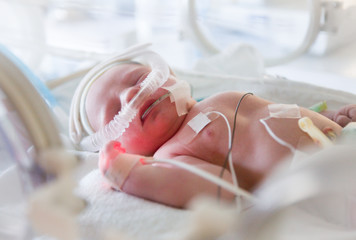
(135,217)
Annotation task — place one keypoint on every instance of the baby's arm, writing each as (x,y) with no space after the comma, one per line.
(158,182)
(342,116)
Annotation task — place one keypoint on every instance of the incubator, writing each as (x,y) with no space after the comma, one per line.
(39,181)
(281,30)
(29,137)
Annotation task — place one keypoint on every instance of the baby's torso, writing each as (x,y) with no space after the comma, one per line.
(205,135)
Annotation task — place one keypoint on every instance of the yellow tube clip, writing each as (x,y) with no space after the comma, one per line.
(307,125)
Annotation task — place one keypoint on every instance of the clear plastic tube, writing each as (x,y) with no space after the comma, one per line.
(116,127)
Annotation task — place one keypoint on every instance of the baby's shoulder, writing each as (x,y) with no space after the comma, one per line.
(221,99)
(225,95)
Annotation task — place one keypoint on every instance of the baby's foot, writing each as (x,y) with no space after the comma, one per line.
(342,116)
(345,115)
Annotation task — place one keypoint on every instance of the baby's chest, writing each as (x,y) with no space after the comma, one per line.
(206,139)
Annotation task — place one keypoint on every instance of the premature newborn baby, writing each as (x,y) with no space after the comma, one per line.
(199,138)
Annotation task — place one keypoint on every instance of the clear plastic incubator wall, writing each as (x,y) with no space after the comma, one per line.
(286,51)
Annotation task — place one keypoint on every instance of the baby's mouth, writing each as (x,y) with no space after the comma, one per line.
(155,103)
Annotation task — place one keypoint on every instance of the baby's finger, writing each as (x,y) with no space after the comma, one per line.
(109,151)
(116,170)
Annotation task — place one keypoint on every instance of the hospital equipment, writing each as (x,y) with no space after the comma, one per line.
(291,206)
(307,125)
(148,110)
(114,129)
(18,93)
(120,216)
(281,30)
(30,138)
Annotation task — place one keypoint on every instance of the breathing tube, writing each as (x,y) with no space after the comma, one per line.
(116,127)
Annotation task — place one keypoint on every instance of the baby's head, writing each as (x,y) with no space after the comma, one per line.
(157,120)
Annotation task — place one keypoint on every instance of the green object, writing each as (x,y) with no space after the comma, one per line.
(319,107)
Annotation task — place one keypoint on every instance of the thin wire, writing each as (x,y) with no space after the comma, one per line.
(231,141)
(233,174)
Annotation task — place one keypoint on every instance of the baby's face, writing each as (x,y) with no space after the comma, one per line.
(114,89)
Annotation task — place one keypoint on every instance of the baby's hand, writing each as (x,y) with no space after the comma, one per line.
(115,164)
(345,115)
(110,151)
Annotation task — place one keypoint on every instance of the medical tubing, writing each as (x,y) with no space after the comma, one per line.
(116,127)
(275,137)
(231,166)
(75,124)
(231,136)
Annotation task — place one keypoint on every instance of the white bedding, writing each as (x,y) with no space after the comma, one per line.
(132,216)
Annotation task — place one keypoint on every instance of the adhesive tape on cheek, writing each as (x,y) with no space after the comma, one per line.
(284,111)
(180,93)
(119,169)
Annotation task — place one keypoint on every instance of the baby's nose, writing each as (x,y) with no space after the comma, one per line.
(128,94)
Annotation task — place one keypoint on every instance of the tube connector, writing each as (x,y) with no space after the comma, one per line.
(306,125)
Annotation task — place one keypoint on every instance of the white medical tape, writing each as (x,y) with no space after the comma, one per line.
(180,93)
(278,110)
(199,122)
(284,111)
